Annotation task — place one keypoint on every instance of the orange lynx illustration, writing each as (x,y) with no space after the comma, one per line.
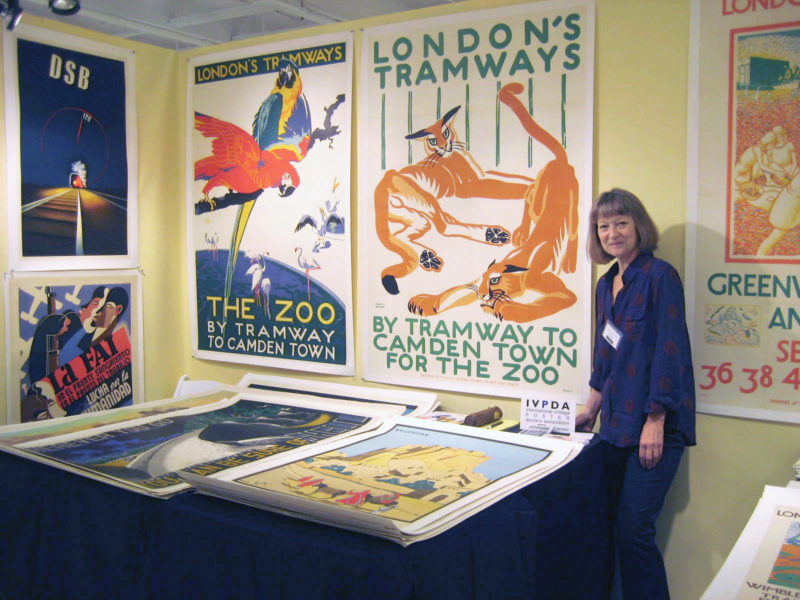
(545,243)
(407,201)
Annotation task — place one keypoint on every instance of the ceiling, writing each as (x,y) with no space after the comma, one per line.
(186,24)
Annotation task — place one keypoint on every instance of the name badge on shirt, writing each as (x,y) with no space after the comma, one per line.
(612,335)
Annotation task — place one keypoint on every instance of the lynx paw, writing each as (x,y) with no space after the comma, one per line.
(423,304)
(497,235)
(429,261)
(390,284)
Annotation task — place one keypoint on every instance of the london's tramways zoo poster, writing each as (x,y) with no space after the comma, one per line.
(473,213)
(269,205)
(744,208)
(71,141)
(74,342)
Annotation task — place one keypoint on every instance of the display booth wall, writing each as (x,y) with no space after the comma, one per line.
(640,140)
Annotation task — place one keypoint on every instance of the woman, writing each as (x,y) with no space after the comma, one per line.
(642,382)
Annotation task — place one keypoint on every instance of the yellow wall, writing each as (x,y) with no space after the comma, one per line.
(640,143)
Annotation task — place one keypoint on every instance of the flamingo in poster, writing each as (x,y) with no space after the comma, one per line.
(307,263)
(259,284)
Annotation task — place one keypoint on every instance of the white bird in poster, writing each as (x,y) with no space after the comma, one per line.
(307,263)
(259,284)
(329,223)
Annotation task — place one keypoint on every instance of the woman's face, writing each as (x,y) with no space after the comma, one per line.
(618,237)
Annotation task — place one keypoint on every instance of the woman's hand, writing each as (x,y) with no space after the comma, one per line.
(651,442)
(586,419)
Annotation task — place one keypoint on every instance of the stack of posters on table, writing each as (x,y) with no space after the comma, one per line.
(581,437)
(405,481)
(413,403)
(765,561)
(141,447)
(445,417)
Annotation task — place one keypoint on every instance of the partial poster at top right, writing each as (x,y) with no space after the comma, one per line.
(743,212)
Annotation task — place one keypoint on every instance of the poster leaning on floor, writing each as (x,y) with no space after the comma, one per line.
(74,342)
(744,208)
(269,205)
(475,163)
(763,562)
(72,152)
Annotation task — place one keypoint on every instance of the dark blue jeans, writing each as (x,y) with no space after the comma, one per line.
(637,495)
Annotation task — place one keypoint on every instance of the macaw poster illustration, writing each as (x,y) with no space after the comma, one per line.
(269,205)
(74,343)
(72,151)
(475,165)
(744,209)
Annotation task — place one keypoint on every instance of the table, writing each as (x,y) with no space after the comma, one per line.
(65,536)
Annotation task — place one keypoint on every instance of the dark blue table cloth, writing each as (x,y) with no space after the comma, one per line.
(64,536)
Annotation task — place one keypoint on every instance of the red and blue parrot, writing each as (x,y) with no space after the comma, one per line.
(248,164)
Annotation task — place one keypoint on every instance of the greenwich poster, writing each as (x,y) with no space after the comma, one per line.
(475,186)
(74,342)
(71,135)
(269,205)
(744,208)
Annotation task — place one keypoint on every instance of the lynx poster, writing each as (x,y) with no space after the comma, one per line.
(744,208)
(269,205)
(74,341)
(71,139)
(475,187)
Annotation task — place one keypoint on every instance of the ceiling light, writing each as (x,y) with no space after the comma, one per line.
(11,11)
(64,7)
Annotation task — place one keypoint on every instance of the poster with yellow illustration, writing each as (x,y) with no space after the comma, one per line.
(406,480)
(475,185)
(743,208)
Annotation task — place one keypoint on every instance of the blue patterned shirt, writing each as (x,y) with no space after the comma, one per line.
(651,369)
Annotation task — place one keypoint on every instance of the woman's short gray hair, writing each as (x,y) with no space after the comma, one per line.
(620,202)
